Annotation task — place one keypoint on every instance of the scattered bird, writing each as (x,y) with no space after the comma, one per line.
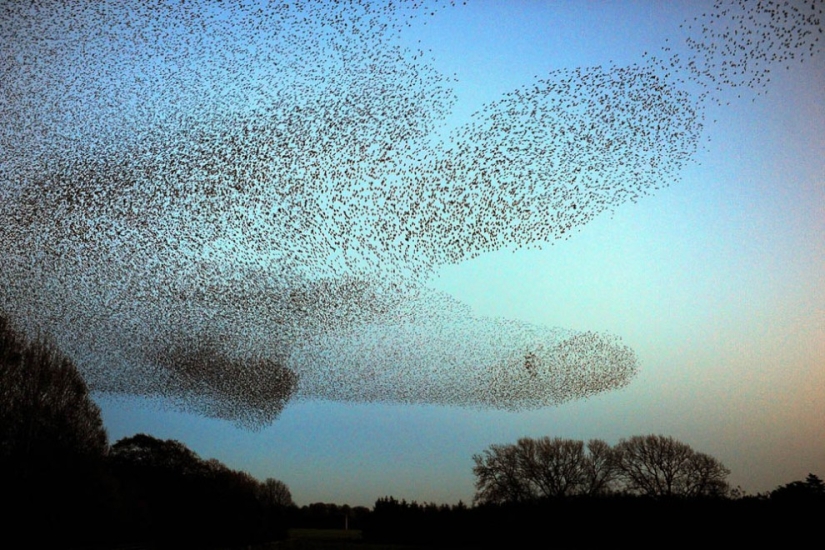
(229,206)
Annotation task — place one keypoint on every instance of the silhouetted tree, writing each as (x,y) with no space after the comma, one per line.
(808,491)
(174,496)
(544,467)
(275,493)
(553,467)
(52,440)
(815,485)
(499,476)
(145,451)
(46,414)
(656,465)
(601,467)
(277,508)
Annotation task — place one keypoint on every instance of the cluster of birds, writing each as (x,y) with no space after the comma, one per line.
(231,205)
(734,47)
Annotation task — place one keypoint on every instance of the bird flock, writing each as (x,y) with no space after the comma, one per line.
(230,205)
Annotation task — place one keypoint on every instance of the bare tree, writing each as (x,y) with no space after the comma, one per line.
(707,477)
(601,467)
(656,465)
(275,493)
(499,476)
(543,467)
(652,465)
(556,466)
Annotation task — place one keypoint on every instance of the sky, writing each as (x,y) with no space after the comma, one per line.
(716,281)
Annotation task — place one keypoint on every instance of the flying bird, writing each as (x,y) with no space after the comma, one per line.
(230,206)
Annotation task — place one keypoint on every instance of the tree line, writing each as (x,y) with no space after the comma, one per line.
(573,494)
(651,465)
(783,517)
(62,482)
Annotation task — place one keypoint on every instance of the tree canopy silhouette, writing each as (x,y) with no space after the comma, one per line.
(174,495)
(544,467)
(651,465)
(812,490)
(46,414)
(52,440)
(274,493)
(656,465)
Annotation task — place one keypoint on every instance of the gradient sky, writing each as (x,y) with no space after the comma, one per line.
(716,281)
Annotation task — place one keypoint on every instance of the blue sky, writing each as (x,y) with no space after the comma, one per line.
(717,281)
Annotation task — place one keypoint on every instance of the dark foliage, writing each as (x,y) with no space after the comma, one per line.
(640,519)
(52,446)
(322,515)
(62,484)
(520,524)
(810,491)
(413,523)
(274,493)
(174,497)
(584,521)
(46,414)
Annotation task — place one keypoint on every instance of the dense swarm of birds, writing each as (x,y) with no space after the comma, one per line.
(231,205)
